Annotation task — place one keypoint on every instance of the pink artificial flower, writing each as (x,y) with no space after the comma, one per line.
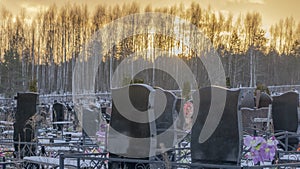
(188,109)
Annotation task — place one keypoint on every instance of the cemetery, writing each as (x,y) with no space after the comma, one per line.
(149,84)
(248,131)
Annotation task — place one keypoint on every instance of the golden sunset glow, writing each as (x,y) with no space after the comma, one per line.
(271,10)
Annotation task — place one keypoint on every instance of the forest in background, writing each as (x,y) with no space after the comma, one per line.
(41,52)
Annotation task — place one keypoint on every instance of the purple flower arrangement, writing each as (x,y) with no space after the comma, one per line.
(259,149)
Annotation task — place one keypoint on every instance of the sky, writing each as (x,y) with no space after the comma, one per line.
(271,10)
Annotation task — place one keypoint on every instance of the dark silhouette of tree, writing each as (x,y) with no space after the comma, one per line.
(46,47)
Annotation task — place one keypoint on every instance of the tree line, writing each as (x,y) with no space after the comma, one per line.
(42,50)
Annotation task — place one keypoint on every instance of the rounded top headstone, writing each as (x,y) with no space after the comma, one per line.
(265,100)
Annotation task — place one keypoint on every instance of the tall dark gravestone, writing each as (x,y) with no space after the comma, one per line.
(285,116)
(284,112)
(165,112)
(123,128)
(165,120)
(128,138)
(145,139)
(223,145)
(90,121)
(23,131)
(58,114)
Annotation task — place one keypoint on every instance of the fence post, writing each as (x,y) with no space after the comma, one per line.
(4,165)
(78,162)
(61,161)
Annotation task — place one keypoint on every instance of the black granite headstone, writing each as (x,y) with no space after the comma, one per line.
(285,114)
(139,98)
(223,146)
(265,100)
(58,114)
(90,121)
(284,111)
(145,100)
(23,131)
(165,120)
(123,131)
(165,123)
